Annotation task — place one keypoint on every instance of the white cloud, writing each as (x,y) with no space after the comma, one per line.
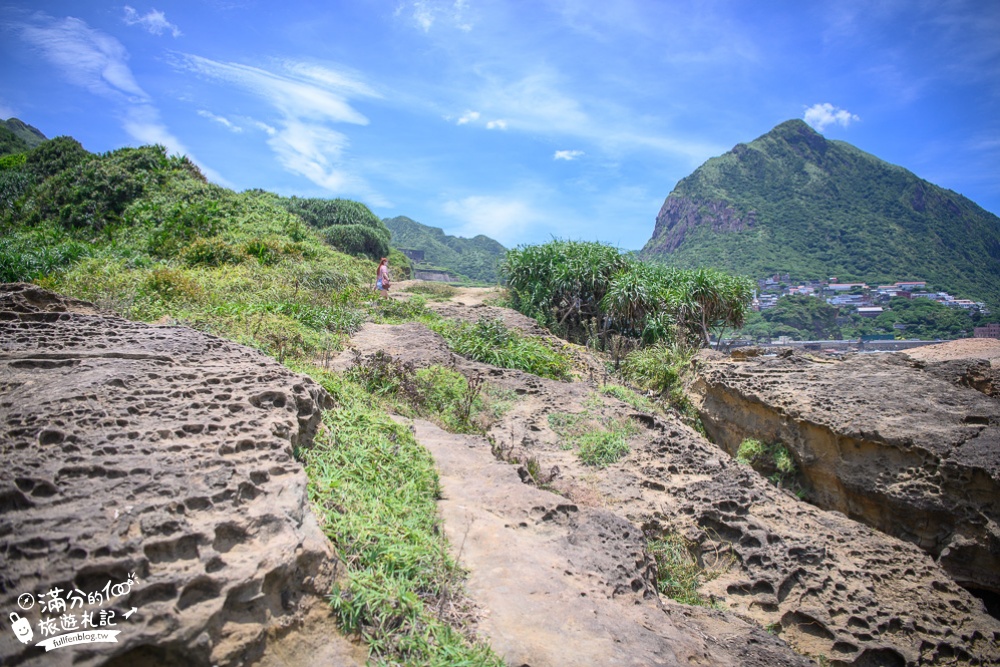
(287,92)
(309,98)
(426,13)
(264,127)
(98,63)
(154,21)
(821,115)
(496,125)
(502,218)
(225,122)
(468,117)
(89,58)
(567,155)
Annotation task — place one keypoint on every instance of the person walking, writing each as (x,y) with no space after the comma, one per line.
(382,277)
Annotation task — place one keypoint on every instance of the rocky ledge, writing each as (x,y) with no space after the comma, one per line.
(148,486)
(909,447)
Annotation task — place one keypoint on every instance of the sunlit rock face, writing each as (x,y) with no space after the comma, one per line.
(150,469)
(908,447)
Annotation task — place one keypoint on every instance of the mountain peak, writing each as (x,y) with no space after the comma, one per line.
(790,201)
(30,135)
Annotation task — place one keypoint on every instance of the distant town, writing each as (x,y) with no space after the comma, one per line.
(864,300)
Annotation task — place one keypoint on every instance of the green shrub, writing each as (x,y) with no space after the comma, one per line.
(599,441)
(269,251)
(491,342)
(678,574)
(358,240)
(94,192)
(626,395)
(440,394)
(53,156)
(212,251)
(24,259)
(661,368)
(773,460)
(322,213)
(170,285)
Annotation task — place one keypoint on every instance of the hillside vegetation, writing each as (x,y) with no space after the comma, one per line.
(793,201)
(475,259)
(143,234)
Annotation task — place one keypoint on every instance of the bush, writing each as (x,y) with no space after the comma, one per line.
(269,251)
(773,460)
(678,574)
(358,240)
(27,259)
(323,213)
(170,285)
(491,342)
(661,368)
(599,441)
(212,252)
(53,156)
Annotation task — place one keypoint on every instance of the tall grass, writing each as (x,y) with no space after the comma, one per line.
(492,342)
(375,490)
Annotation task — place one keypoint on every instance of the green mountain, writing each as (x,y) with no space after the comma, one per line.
(17,136)
(794,202)
(476,258)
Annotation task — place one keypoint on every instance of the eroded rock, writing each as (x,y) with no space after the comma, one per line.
(162,454)
(827,585)
(909,447)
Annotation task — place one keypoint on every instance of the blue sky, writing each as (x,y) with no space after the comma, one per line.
(522,120)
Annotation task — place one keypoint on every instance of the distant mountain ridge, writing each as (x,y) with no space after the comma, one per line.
(794,202)
(476,258)
(16,136)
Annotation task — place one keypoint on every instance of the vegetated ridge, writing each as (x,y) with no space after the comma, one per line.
(15,136)
(476,258)
(793,201)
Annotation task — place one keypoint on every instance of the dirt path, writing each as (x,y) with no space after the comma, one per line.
(563,574)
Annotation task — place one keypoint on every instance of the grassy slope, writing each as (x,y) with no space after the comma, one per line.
(825,208)
(144,235)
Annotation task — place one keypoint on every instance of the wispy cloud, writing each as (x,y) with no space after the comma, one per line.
(264,127)
(499,124)
(502,218)
(153,21)
(98,63)
(567,155)
(467,117)
(88,58)
(425,13)
(225,122)
(821,115)
(308,98)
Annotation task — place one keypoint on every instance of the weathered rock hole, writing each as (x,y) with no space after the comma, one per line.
(989,598)
(199,590)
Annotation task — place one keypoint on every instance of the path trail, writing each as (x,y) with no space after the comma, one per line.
(562,573)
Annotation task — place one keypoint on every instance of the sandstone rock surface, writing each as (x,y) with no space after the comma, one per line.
(162,455)
(822,582)
(910,447)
